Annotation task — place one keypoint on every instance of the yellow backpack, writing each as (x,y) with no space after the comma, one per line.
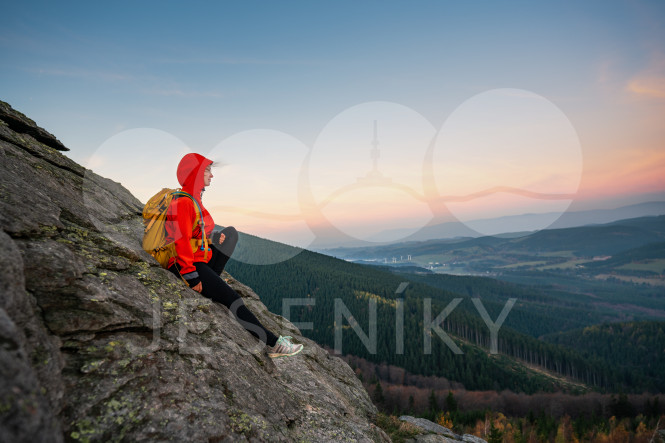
(154,219)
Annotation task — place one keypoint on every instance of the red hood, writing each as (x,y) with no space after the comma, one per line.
(190,173)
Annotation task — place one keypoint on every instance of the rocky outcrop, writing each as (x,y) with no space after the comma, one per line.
(433,432)
(98,343)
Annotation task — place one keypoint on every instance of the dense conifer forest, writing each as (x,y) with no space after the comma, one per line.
(524,363)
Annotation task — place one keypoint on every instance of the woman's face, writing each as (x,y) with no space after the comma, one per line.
(207,175)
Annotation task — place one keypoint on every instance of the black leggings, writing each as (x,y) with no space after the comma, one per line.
(218,261)
(216,289)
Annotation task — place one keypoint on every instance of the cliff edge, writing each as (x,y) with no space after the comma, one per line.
(98,343)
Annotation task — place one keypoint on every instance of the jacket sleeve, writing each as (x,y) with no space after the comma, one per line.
(185,217)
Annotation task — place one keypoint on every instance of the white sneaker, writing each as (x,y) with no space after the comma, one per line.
(284,348)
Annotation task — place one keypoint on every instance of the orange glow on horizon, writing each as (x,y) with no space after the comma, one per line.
(625,173)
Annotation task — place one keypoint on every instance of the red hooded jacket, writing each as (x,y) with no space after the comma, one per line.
(182,216)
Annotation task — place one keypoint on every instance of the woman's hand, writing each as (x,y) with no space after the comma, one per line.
(198,288)
(222,237)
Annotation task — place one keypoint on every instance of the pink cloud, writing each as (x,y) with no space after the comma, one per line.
(651,82)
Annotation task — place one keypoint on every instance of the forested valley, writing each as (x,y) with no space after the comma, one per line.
(559,369)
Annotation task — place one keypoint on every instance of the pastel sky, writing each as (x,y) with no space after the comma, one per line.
(479,108)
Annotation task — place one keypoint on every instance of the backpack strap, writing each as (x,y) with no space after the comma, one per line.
(201,223)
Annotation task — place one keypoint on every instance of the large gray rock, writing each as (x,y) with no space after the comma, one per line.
(435,433)
(98,343)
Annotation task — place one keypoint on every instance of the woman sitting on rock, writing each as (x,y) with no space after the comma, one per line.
(201,269)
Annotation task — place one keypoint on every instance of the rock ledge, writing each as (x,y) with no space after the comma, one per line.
(437,433)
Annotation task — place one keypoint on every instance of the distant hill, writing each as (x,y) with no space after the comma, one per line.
(592,274)
(520,223)
(649,252)
(600,216)
(606,239)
